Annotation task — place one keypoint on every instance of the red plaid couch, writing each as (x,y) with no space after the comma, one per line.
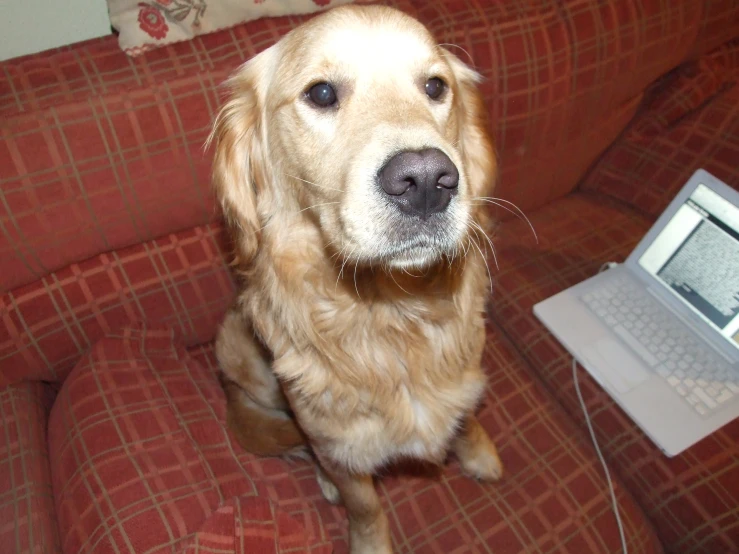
(113,278)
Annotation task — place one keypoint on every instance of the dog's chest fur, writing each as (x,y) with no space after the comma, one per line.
(373,379)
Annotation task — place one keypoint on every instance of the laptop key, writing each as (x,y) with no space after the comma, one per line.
(724,396)
(707,400)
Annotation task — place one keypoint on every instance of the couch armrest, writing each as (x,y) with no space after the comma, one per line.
(690,120)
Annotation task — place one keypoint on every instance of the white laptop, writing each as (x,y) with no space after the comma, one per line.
(660,332)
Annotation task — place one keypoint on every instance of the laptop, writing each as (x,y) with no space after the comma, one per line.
(660,332)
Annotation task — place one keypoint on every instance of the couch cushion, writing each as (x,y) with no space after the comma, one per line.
(142,457)
(27,515)
(181,280)
(690,121)
(144,460)
(691,498)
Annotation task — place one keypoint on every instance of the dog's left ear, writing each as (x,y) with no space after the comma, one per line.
(240,169)
(475,142)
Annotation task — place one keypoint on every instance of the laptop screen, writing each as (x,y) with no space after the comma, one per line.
(696,256)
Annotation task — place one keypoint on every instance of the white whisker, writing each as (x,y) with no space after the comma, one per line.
(518,213)
(311,183)
(484,262)
(356,288)
(462,49)
(296,213)
(341,271)
(396,283)
(490,242)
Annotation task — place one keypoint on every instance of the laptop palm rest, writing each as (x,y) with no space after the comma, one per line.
(615,364)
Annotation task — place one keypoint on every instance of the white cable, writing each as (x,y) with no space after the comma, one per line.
(600,456)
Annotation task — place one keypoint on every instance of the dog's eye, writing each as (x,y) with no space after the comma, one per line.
(322,94)
(435,88)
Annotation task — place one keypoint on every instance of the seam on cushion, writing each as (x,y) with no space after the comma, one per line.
(25,345)
(713,72)
(718,93)
(639,101)
(38,391)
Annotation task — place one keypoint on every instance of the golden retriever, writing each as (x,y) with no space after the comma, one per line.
(350,160)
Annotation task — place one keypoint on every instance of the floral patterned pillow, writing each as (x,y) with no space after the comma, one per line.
(146,24)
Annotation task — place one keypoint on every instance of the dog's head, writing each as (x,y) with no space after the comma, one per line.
(360,120)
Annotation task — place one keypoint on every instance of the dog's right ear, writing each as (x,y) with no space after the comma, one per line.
(239,155)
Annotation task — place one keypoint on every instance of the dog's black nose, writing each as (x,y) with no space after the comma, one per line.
(420,183)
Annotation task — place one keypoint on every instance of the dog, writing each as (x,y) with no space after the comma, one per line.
(351,160)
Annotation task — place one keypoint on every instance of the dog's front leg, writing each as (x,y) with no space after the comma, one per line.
(368,527)
(476,452)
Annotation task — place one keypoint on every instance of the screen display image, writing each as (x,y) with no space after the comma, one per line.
(696,256)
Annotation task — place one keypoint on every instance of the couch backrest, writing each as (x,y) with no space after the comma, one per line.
(100,152)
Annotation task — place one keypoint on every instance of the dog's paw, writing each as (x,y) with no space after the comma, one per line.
(484,465)
(480,459)
(328,489)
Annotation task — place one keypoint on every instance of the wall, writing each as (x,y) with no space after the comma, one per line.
(29,26)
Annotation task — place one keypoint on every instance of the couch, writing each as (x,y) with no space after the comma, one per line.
(114,275)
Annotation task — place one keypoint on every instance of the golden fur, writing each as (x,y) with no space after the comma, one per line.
(347,334)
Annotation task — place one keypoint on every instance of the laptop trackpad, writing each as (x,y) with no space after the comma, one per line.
(616,364)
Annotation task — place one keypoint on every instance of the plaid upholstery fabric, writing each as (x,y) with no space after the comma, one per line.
(94,146)
(564,78)
(181,280)
(246,525)
(718,24)
(691,121)
(691,499)
(27,516)
(87,178)
(144,462)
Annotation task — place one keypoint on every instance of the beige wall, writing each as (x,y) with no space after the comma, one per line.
(28,26)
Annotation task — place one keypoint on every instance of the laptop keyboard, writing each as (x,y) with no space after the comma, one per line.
(704,379)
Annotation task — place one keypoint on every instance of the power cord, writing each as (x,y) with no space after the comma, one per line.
(621,532)
(600,457)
